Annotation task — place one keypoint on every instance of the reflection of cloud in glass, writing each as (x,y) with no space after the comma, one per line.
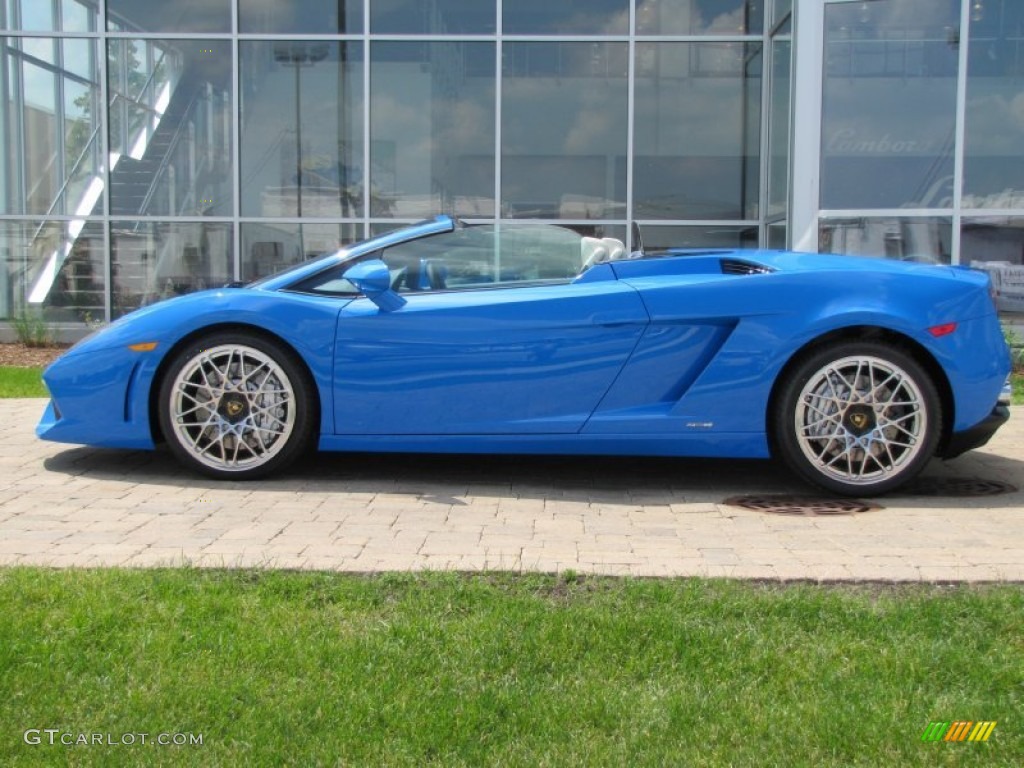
(36,16)
(434,142)
(594,124)
(995,122)
(567,117)
(686,17)
(617,24)
(581,17)
(892,15)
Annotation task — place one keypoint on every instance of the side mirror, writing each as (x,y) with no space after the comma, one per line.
(373,279)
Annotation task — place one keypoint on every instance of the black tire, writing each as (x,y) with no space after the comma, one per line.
(235,405)
(859,418)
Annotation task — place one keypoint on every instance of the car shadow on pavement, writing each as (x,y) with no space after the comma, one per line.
(450,479)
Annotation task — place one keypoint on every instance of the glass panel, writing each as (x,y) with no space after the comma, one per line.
(302,128)
(566,17)
(80,57)
(84,172)
(778,129)
(432,110)
(780,10)
(564,130)
(699,17)
(600,231)
(39,48)
(777,234)
(37,15)
(170,133)
(696,131)
(52,270)
(382,228)
(169,15)
(52,158)
(300,16)
(753,73)
(997,246)
(925,240)
(658,238)
(40,130)
(78,16)
(270,247)
(151,260)
(994,143)
(889,103)
(437,17)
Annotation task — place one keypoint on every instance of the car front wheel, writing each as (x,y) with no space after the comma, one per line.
(858,418)
(236,406)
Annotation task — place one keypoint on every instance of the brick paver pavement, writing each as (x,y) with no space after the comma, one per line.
(69,506)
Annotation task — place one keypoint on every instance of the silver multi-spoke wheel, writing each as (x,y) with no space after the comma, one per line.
(863,419)
(860,419)
(235,408)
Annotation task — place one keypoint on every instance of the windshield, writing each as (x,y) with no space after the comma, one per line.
(298,272)
(477,257)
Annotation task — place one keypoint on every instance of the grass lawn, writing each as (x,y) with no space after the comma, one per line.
(21,382)
(278,668)
(1018,388)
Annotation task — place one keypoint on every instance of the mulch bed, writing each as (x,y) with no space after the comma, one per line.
(28,357)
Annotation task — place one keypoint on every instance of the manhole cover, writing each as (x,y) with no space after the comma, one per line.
(956,487)
(802,505)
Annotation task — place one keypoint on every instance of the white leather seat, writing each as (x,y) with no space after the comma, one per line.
(592,251)
(616,248)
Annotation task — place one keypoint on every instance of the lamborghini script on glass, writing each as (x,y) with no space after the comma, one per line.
(528,338)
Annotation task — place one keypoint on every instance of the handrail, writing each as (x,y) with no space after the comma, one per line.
(182,125)
(69,177)
(64,186)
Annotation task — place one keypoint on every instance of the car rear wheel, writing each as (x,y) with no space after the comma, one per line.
(237,406)
(858,418)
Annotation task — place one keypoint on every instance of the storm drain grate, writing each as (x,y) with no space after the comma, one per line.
(956,487)
(802,505)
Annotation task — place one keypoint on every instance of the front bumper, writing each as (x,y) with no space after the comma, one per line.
(99,399)
(976,436)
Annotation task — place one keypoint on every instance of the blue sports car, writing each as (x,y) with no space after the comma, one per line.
(529,338)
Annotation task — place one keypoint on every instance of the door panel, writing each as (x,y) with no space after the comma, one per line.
(499,361)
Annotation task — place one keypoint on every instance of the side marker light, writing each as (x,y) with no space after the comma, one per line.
(942,330)
(143,346)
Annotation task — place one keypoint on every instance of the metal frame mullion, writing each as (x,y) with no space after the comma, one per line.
(21,180)
(367,180)
(236,148)
(764,146)
(101,52)
(960,131)
(630,124)
(806,125)
(499,79)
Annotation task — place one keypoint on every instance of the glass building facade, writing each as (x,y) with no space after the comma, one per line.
(156,148)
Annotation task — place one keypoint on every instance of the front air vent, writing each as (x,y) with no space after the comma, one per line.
(740,267)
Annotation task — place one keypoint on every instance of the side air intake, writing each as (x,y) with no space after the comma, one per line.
(740,267)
